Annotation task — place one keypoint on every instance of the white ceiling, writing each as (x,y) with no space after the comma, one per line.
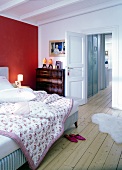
(38,12)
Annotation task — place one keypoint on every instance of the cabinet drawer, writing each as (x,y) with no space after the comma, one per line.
(56,81)
(43,86)
(58,89)
(42,73)
(56,74)
(42,79)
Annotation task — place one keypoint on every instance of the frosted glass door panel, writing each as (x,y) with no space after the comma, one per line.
(90,67)
(92,41)
(95,64)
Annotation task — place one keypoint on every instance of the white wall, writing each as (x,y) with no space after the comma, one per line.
(108,48)
(103,21)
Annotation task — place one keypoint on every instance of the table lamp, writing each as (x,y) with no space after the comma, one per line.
(50,63)
(44,63)
(20,78)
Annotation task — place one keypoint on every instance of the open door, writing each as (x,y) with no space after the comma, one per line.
(76,70)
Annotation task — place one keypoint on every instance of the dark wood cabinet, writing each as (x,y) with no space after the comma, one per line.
(51,80)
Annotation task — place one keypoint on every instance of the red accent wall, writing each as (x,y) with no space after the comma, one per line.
(19,50)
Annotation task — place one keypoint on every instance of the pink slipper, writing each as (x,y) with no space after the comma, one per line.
(71,139)
(77,136)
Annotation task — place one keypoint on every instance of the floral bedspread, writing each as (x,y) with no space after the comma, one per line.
(35,125)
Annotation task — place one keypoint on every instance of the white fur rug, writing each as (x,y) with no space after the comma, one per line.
(109,124)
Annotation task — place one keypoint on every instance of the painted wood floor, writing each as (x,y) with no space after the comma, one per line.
(98,152)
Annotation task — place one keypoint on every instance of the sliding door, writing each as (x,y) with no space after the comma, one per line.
(92,44)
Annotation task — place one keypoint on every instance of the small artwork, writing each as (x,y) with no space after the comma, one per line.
(57,48)
(58,64)
(17,83)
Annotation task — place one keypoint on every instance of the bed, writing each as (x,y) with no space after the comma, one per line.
(11,156)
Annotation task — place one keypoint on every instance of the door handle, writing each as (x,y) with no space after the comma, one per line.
(70,67)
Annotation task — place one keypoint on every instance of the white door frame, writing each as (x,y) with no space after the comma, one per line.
(115,57)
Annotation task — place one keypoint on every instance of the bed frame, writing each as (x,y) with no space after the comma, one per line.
(16,159)
(4,71)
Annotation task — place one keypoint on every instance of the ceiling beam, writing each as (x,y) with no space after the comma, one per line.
(81,12)
(11,4)
(49,8)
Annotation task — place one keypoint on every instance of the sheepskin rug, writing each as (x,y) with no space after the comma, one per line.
(110,124)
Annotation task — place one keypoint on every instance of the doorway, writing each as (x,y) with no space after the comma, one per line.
(99,65)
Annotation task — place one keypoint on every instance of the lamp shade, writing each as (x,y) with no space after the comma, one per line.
(20,77)
(44,61)
(50,61)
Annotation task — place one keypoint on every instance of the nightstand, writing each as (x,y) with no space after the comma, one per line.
(15,86)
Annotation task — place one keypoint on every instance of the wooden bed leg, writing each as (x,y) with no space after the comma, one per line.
(76,124)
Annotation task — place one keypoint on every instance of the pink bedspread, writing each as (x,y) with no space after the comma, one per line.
(35,125)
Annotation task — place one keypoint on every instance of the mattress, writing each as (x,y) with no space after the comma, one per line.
(7,145)
(75,107)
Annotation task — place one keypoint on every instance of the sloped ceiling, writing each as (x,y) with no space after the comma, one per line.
(38,12)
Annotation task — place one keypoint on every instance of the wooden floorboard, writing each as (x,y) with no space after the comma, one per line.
(120,163)
(98,152)
(102,154)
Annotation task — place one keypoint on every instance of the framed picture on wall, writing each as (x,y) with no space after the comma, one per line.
(58,64)
(57,48)
(17,83)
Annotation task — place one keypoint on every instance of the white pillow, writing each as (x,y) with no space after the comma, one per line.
(16,95)
(27,88)
(4,83)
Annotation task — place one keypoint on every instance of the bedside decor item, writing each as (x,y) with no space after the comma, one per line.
(50,62)
(58,64)
(44,63)
(57,48)
(19,78)
(17,84)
